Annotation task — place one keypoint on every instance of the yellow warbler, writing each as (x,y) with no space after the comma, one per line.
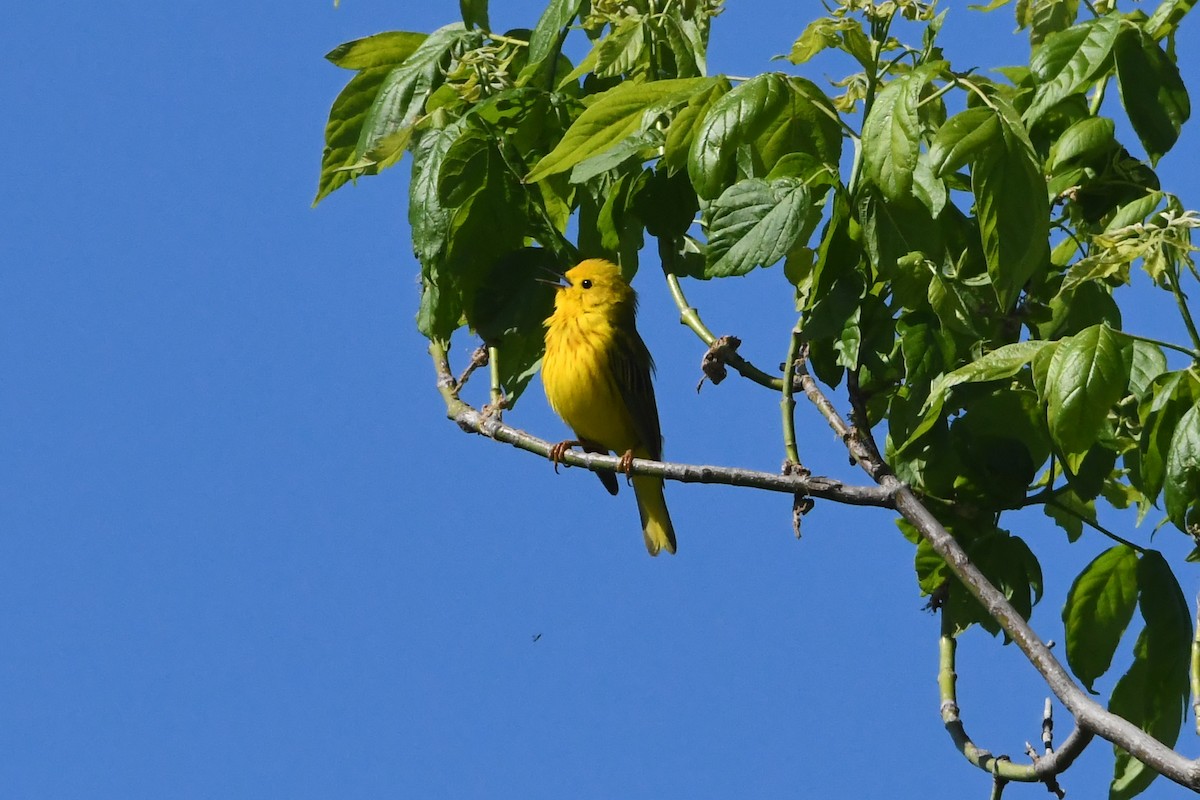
(596,373)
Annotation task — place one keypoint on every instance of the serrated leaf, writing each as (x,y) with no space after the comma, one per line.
(1153,93)
(1066,61)
(344,128)
(736,117)
(402,94)
(687,44)
(1099,607)
(427,217)
(1181,487)
(755,223)
(381,50)
(1165,19)
(616,114)
(1088,375)
(620,51)
(804,123)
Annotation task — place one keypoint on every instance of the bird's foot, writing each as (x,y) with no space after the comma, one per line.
(558,450)
(625,465)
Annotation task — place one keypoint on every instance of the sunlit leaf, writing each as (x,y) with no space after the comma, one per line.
(1099,607)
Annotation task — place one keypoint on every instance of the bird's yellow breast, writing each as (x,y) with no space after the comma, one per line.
(578,377)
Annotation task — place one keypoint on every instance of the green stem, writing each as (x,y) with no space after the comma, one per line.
(1195,354)
(1195,670)
(788,402)
(987,101)
(936,94)
(1095,525)
(497,37)
(1181,301)
(691,318)
(497,392)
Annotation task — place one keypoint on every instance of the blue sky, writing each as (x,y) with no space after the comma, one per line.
(244,555)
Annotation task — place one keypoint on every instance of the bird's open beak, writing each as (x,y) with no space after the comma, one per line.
(559,282)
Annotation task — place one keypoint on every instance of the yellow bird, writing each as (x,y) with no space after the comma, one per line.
(596,373)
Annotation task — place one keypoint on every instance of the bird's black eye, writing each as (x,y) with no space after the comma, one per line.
(585,283)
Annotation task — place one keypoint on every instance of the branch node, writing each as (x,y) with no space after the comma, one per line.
(478,359)
(715,358)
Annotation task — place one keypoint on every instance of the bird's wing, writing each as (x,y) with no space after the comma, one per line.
(632,367)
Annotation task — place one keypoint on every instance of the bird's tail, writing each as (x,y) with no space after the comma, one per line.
(656,522)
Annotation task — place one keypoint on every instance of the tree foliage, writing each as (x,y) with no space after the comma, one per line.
(955,242)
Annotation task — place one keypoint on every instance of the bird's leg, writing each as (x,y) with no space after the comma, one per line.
(626,465)
(557,451)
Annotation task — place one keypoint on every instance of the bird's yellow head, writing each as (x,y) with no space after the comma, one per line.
(595,286)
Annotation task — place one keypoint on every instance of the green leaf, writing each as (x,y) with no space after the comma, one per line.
(344,128)
(616,114)
(1088,375)
(621,50)
(1154,693)
(1166,18)
(1162,406)
(1010,566)
(635,147)
(687,43)
(427,217)
(962,139)
(1086,140)
(1013,210)
(805,123)
(1153,93)
(474,13)
(544,39)
(755,223)
(1098,610)
(1001,442)
(1181,489)
(1069,511)
(1147,364)
(820,34)
(891,133)
(507,310)
(1048,16)
(380,50)
(667,204)
(682,129)
(737,116)
(401,97)
(1003,362)
(1066,62)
